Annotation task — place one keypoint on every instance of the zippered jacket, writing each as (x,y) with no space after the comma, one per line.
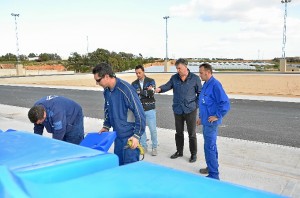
(61,114)
(146,96)
(213,101)
(185,93)
(123,110)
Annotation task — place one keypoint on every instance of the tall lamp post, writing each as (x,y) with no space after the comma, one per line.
(19,67)
(283,59)
(166,60)
(17,42)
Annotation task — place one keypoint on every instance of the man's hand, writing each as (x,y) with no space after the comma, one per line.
(135,142)
(150,88)
(157,90)
(211,119)
(103,130)
(198,122)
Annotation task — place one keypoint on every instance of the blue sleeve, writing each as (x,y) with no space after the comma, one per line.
(149,93)
(168,86)
(59,124)
(222,101)
(106,123)
(152,83)
(136,107)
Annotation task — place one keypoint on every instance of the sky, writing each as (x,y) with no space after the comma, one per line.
(248,29)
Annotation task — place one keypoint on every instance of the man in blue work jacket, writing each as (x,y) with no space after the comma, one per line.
(213,106)
(123,111)
(186,89)
(60,116)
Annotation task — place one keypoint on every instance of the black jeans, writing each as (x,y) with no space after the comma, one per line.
(190,120)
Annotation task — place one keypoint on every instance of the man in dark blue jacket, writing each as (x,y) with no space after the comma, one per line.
(123,111)
(214,105)
(60,116)
(186,89)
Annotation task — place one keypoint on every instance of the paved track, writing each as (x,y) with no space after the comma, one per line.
(262,121)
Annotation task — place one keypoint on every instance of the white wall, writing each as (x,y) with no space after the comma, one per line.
(13,72)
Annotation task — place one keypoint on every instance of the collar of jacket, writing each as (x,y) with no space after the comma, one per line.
(188,76)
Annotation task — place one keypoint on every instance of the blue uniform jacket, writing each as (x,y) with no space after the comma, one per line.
(185,93)
(213,101)
(123,110)
(62,113)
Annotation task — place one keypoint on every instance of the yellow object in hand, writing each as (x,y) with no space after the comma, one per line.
(141,149)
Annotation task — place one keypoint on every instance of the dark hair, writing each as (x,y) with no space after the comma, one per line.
(36,113)
(206,67)
(103,69)
(181,61)
(140,67)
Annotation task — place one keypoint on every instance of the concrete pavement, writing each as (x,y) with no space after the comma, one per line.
(268,167)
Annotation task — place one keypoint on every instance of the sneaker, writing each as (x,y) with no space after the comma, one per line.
(154,152)
(204,170)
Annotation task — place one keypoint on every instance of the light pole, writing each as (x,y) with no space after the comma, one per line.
(284,27)
(166,61)
(283,60)
(87,45)
(17,42)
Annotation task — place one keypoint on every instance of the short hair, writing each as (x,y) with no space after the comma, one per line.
(36,113)
(103,69)
(181,61)
(140,67)
(206,67)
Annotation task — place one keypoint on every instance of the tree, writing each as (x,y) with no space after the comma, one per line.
(9,57)
(32,55)
(44,57)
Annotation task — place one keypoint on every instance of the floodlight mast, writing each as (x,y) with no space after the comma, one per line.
(284,27)
(17,40)
(166,18)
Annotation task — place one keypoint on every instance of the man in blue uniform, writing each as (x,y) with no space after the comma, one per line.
(186,89)
(123,111)
(60,116)
(213,106)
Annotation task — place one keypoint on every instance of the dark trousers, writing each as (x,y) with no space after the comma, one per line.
(190,120)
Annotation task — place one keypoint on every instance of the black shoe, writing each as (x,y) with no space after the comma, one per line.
(193,158)
(204,170)
(175,155)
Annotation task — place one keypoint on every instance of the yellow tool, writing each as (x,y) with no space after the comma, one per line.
(141,149)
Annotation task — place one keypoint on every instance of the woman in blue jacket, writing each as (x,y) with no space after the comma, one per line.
(213,106)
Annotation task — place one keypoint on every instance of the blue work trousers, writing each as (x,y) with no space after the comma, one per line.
(126,155)
(210,150)
(151,123)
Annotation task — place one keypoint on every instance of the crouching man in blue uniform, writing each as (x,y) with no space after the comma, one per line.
(213,106)
(60,116)
(123,111)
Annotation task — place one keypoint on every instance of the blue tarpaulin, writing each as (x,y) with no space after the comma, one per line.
(34,166)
